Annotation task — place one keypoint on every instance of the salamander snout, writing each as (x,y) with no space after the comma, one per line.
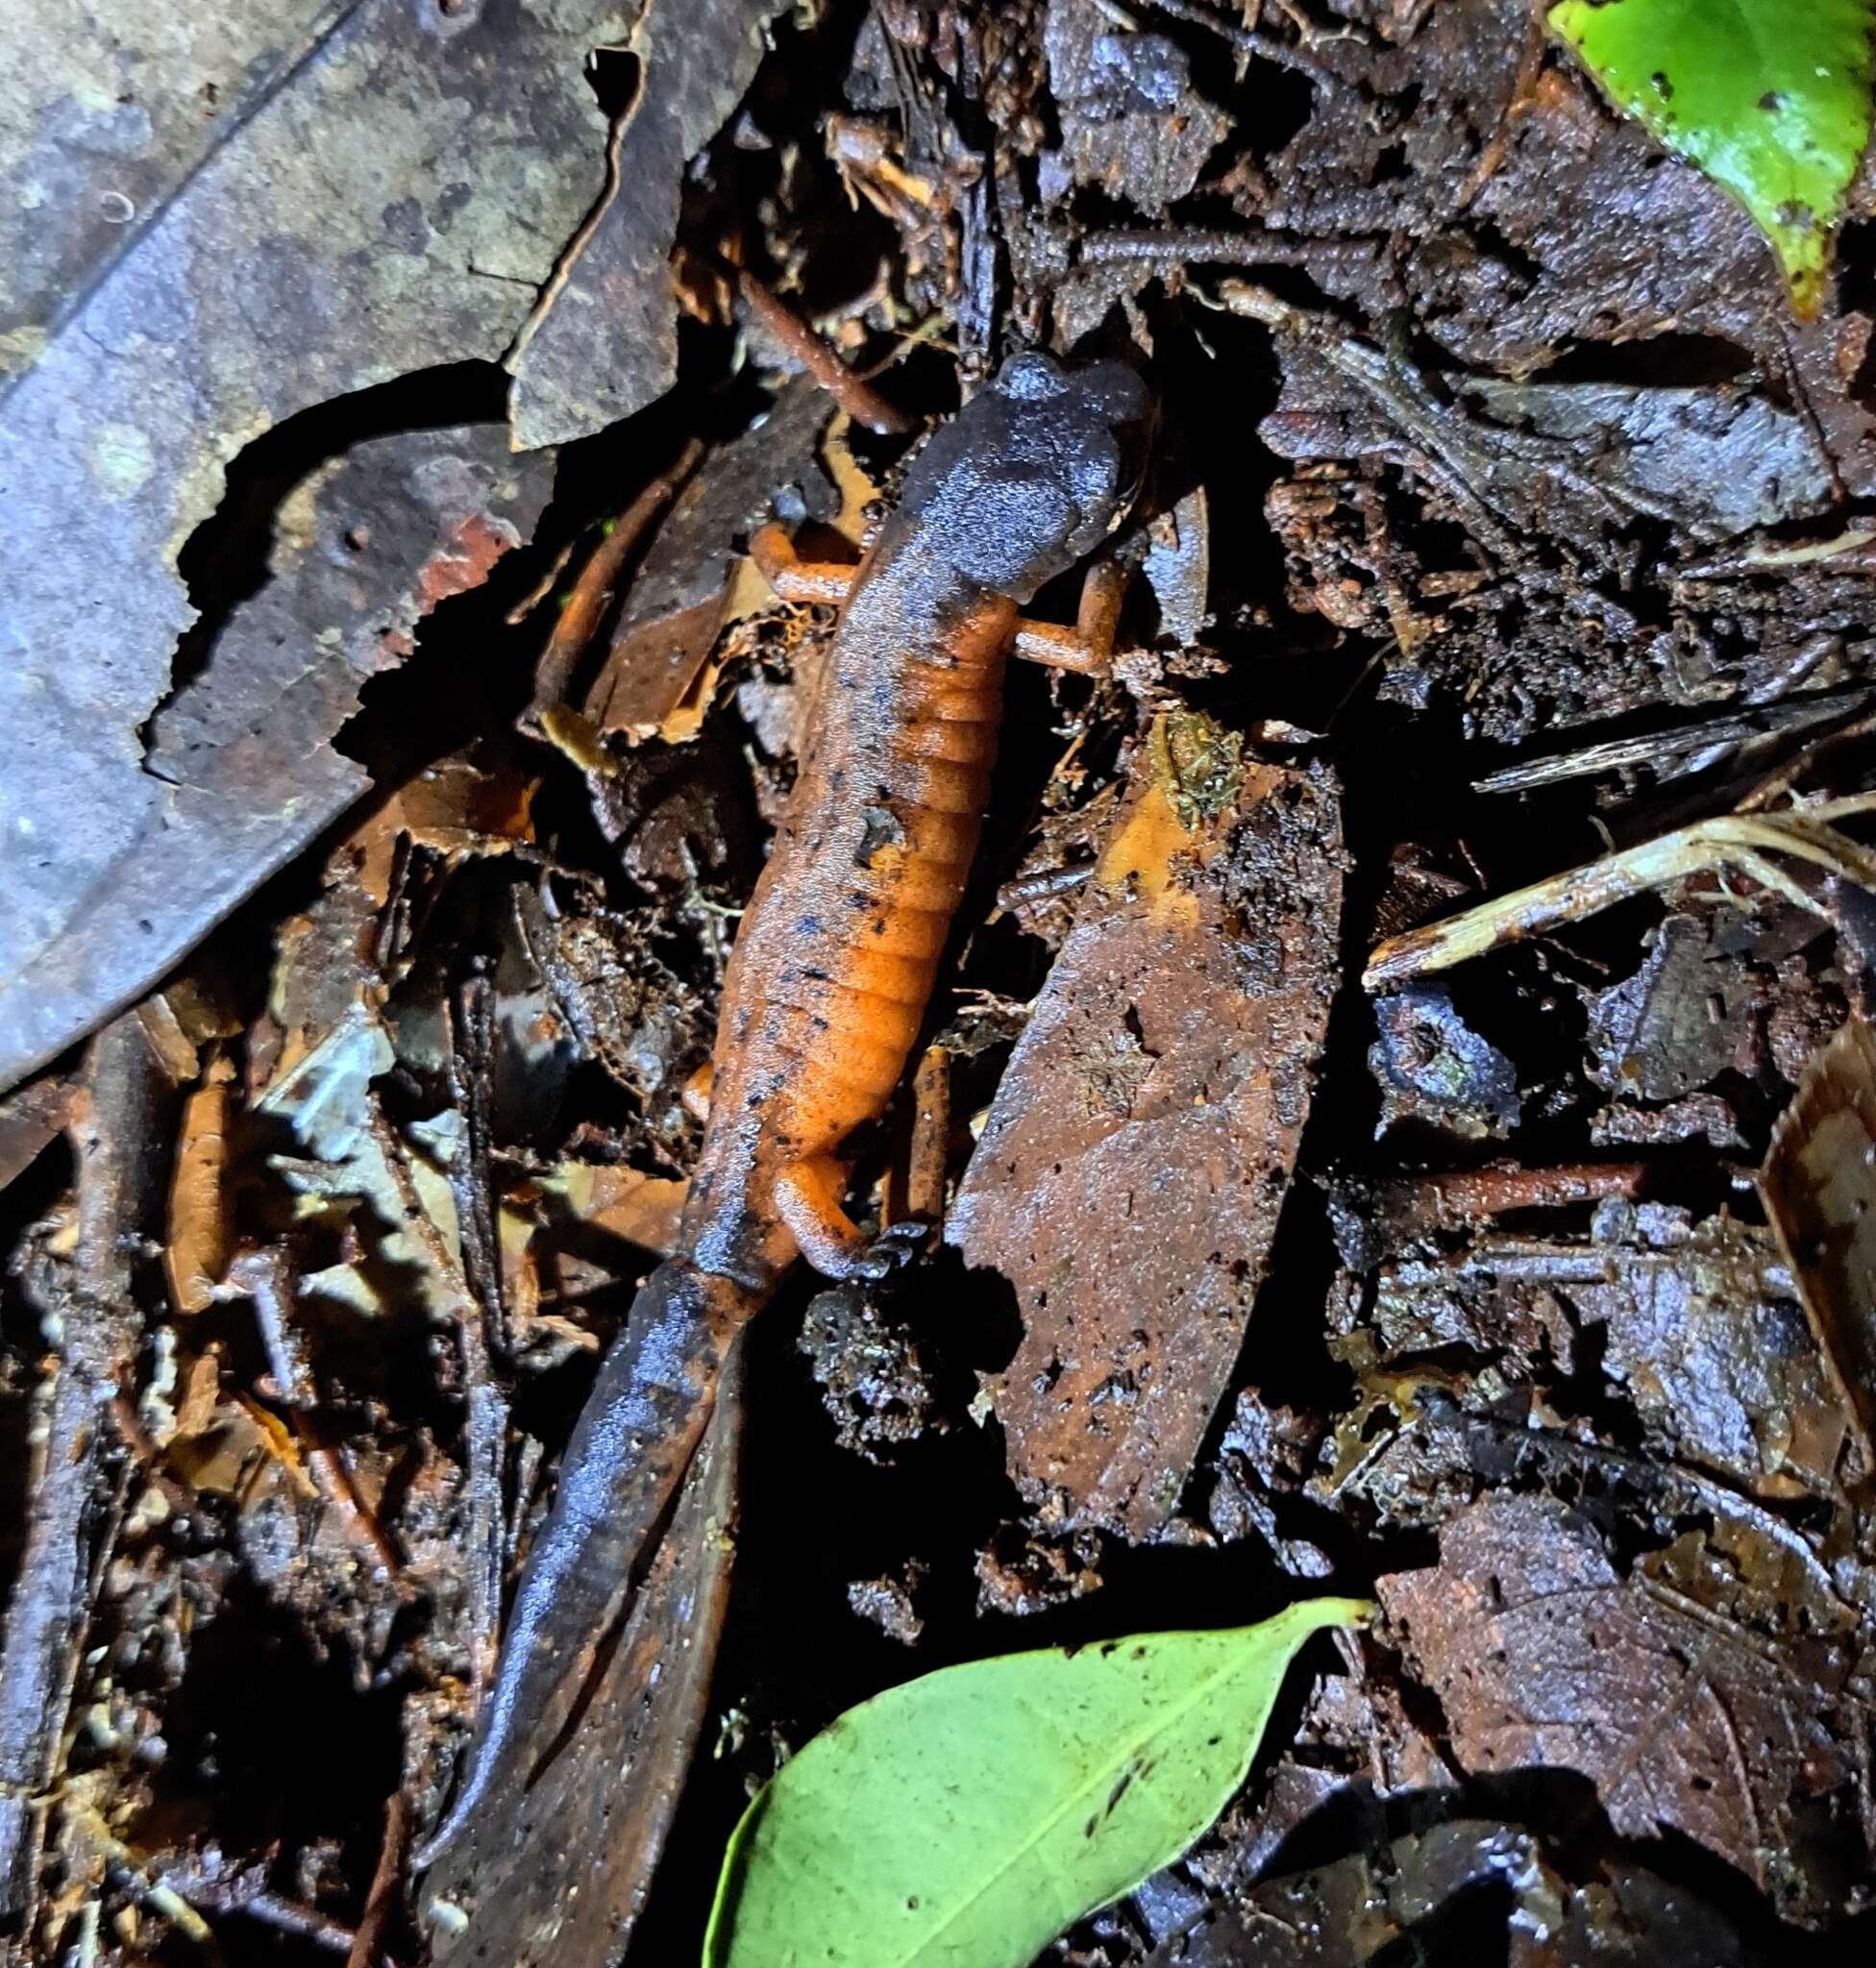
(1032,473)
(1108,428)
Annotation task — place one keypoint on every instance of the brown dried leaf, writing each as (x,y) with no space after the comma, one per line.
(1129,1179)
(1820,1191)
(275,273)
(241,771)
(1543,1653)
(31,1119)
(654,680)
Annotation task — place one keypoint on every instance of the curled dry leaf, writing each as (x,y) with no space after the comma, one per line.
(654,680)
(241,771)
(603,341)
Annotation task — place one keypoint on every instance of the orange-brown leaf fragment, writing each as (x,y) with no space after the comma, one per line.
(201,1232)
(1128,1180)
(1819,1189)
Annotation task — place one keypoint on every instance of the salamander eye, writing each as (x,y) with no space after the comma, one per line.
(1032,378)
(1094,473)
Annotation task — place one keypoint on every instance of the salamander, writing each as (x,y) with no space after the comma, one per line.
(827,981)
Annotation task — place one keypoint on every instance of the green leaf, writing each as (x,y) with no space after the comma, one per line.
(1770,98)
(965,1819)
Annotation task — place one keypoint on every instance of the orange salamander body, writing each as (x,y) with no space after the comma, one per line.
(828,980)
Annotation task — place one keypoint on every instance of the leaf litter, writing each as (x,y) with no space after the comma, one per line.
(1506,521)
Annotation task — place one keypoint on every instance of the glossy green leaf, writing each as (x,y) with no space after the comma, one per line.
(1770,98)
(965,1819)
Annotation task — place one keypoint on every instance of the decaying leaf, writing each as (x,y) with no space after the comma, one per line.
(388,202)
(651,681)
(97,132)
(240,771)
(603,341)
(1132,124)
(1543,1653)
(1129,1179)
(1819,1191)
(1695,1325)
(31,1119)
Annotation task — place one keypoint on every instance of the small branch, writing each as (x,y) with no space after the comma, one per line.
(265,1278)
(851,391)
(120,1128)
(471,1032)
(580,618)
(386,1883)
(485,1419)
(1264,47)
(1740,840)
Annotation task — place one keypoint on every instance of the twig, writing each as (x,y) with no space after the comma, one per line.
(1265,47)
(1766,556)
(1741,840)
(471,1036)
(118,1130)
(1464,1195)
(222,1889)
(1710,735)
(855,395)
(486,1416)
(1198,246)
(386,1881)
(265,1278)
(578,619)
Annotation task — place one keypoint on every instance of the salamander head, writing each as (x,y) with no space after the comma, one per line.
(1034,473)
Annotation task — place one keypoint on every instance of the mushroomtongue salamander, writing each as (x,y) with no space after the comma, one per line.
(827,986)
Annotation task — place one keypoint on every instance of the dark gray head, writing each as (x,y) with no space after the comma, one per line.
(1034,472)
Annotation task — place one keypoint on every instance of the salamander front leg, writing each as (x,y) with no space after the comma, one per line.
(792,577)
(1084,650)
(808,1199)
(1088,647)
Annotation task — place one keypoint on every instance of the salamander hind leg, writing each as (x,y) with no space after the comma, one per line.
(808,1199)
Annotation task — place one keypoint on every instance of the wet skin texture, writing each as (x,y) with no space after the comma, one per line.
(827,983)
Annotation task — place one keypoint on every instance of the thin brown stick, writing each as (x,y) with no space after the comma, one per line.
(930,1156)
(1265,47)
(578,620)
(1465,1195)
(851,391)
(386,1881)
(265,1278)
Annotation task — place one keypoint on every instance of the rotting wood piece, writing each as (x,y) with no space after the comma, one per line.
(1140,1146)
